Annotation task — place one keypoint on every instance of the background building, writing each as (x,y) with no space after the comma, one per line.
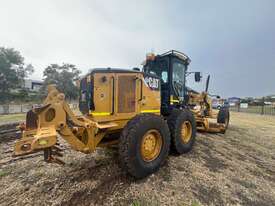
(33,85)
(233,101)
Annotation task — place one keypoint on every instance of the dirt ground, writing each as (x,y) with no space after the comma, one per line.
(237,168)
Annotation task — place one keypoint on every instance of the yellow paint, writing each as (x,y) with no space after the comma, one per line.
(42,142)
(151,145)
(100,113)
(172,100)
(150,111)
(186,131)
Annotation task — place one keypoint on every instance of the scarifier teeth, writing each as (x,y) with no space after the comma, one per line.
(58,161)
(57,148)
(50,153)
(57,154)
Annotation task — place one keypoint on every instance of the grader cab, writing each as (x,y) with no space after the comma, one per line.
(172,69)
(145,113)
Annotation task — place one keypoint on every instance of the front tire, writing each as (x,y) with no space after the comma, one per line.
(144,145)
(183,130)
(223,117)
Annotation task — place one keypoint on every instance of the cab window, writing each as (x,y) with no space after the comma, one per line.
(178,69)
(164,76)
(158,67)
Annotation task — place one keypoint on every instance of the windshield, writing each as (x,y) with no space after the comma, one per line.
(178,78)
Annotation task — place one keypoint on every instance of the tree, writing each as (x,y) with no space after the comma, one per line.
(12,72)
(64,77)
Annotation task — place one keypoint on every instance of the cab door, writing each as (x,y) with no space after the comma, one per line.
(177,81)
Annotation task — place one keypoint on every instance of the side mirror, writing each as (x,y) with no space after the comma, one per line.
(197,76)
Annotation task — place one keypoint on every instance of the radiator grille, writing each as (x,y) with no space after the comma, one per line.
(126,94)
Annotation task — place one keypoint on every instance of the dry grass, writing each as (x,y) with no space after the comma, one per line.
(237,168)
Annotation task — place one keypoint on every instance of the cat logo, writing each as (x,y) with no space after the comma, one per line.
(152,82)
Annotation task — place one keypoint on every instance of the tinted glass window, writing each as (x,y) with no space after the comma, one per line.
(178,78)
(158,67)
(164,76)
(178,72)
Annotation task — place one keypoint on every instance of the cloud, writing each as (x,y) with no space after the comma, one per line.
(231,40)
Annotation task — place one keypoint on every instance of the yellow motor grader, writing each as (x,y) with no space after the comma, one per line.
(146,113)
(207,119)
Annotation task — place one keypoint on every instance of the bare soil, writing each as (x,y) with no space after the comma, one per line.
(236,168)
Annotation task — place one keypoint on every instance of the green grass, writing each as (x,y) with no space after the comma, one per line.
(195,203)
(3,173)
(136,203)
(142,201)
(11,118)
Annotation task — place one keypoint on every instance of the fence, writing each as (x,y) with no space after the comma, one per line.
(264,110)
(23,108)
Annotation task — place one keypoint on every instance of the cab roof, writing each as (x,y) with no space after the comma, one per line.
(113,70)
(177,54)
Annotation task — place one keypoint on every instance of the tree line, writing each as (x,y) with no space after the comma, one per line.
(14,71)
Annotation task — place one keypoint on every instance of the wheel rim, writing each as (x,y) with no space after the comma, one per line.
(151,145)
(186,131)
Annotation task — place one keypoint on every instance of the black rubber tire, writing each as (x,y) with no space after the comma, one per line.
(130,144)
(223,115)
(175,120)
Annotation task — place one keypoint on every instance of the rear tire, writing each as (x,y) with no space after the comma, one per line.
(182,143)
(136,160)
(223,117)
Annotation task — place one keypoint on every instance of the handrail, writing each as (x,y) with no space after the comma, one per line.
(113,95)
(141,90)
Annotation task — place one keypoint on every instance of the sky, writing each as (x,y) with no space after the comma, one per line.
(233,41)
